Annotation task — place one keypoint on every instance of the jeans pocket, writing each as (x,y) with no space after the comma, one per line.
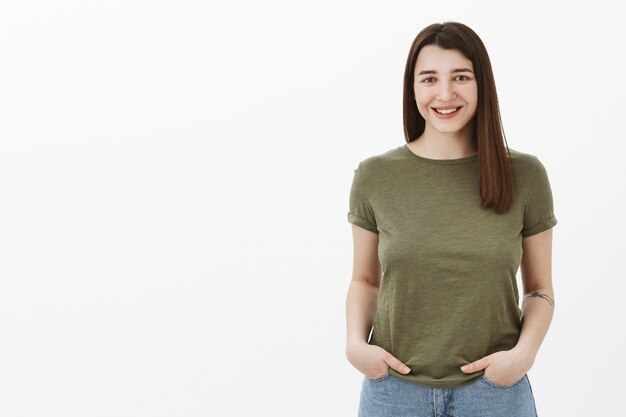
(493,384)
(379,379)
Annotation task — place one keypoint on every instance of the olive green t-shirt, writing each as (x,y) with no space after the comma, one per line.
(448,294)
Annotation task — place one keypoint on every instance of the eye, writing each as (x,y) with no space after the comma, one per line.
(428,78)
(465,76)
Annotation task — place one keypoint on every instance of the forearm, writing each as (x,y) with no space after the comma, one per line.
(537,313)
(360,310)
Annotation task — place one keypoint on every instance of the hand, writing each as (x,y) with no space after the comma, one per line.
(503,367)
(373,361)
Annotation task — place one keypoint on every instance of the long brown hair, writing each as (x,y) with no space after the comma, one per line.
(495,168)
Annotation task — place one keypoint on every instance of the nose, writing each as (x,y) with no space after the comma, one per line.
(445,92)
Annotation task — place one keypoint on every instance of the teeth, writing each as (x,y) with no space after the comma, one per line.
(446,111)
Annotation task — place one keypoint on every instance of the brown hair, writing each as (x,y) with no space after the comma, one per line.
(488,136)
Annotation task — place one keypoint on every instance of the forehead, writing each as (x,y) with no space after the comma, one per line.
(433,57)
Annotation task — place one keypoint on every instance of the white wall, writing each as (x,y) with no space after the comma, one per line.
(174,183)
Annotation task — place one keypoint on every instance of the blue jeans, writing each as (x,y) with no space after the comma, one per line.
(389,396)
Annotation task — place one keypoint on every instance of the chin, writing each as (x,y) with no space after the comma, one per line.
(449,129)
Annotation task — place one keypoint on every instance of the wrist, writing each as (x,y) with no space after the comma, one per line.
(526,352)
(355,343)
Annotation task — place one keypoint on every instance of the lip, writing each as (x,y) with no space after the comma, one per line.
(447,116)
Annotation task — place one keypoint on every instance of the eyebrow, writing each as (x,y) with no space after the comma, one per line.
(454,70)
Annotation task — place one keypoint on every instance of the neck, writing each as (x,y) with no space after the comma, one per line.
(437,145)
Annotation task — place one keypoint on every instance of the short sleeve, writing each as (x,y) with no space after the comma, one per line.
(360,211)
(539,209)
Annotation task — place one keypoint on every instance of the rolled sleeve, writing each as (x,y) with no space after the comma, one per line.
(360,210)
(539,209)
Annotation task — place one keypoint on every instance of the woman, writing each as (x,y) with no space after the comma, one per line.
(440,227)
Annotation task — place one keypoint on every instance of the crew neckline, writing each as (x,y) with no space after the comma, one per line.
(466,159)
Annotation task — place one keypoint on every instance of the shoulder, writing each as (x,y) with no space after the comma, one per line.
(524,163)
(381,162)
(530,174)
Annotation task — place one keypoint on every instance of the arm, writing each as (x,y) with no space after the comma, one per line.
(538,301)
(363,290)
(537,311)
(371,360)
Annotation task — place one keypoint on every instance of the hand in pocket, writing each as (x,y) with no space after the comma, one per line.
(503,368)
(373,361)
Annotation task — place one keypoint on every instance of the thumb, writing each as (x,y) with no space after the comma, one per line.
(396,364)
(474,366)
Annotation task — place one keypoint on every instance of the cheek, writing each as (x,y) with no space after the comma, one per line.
(422,104)
(422,98)
(471,94)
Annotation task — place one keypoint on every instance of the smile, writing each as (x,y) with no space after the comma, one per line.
(447,111)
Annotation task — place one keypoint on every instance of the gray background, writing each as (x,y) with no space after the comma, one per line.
(175,176)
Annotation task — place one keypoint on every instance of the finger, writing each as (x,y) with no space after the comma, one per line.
(398,365)
(474,366)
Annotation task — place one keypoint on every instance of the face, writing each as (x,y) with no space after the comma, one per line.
(444,79)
